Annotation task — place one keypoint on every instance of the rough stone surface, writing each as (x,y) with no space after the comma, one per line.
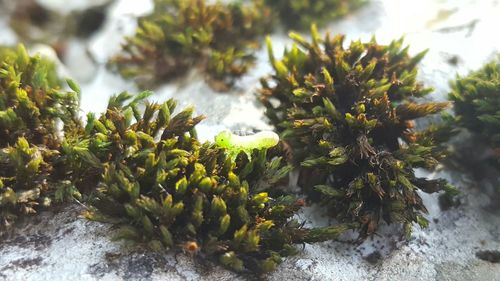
(461,36)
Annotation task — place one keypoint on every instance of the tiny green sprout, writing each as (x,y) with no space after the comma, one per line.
(235,144)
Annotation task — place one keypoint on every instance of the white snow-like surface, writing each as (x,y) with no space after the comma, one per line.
(62,246)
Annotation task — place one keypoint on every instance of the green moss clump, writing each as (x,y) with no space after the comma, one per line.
(476,100)
(164,188)
(217,38)
(348,115)
(32,106)
(300,14)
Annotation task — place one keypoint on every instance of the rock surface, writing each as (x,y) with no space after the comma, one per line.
(461,36)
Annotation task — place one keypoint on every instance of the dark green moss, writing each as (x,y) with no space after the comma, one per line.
(348,115)
(476,100)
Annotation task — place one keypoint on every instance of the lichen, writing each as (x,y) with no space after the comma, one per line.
(217,38)
(348,117)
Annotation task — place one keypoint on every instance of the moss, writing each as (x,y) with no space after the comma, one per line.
(476,100)
(219,39)
(300,14)
(348,115)
(145,170)
(163,188)
(32,105)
